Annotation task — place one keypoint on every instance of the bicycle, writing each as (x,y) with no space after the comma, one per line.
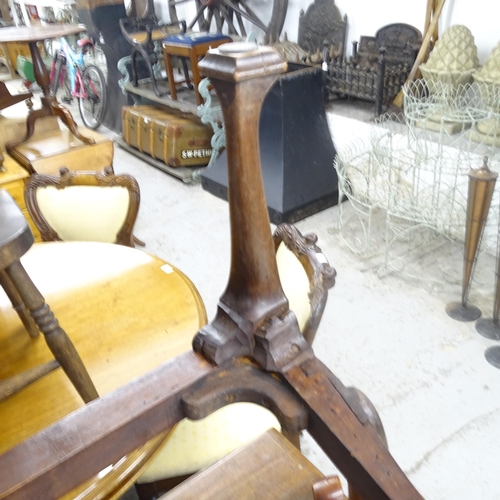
(86,82)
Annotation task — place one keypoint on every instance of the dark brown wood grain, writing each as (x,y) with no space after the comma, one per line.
(356,449)
(268,468)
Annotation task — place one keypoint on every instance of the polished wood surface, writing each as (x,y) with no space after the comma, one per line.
(16,239)
(192,52)
(39,33)
(269,468)
(125,311)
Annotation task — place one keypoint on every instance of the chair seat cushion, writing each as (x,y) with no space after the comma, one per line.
(141,36)
(190,39)
(194,445)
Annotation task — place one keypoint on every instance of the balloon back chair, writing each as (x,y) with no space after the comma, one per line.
(84,206)
(305,276)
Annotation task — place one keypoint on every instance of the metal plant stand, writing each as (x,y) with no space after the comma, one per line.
(481,186)
(490,327)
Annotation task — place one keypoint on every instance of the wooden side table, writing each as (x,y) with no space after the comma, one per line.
(12,180)
(192,46)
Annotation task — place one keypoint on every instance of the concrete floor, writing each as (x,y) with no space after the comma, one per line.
(426,373)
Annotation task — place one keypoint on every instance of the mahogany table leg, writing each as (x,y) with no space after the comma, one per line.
(58,341)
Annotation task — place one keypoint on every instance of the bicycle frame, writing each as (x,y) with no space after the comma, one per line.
(74,65)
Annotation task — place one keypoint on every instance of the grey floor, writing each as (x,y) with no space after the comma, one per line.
(390,337)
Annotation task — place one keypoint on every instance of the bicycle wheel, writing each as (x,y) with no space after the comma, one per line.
(93,107)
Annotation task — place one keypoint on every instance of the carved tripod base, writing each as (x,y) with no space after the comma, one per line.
(50,106)
(273,345)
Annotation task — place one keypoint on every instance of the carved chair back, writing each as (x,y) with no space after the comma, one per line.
(84,206)
(145,30)
(305,275)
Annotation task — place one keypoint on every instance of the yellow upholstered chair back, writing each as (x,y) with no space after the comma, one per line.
(84,206)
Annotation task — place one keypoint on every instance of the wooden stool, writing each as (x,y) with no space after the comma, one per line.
(193,46)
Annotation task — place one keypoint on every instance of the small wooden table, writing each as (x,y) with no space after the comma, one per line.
(50,106)
(125,311)
(269,468)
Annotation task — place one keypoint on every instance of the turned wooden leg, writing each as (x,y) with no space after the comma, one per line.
(18,305)
(58,341)
(170,76)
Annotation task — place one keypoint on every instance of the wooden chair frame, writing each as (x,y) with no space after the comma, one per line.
(151,32)
(321,275)
(68,178)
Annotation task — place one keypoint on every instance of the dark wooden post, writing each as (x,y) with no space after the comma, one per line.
(253,317)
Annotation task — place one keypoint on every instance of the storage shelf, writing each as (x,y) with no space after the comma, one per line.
(186,101)
(189,175)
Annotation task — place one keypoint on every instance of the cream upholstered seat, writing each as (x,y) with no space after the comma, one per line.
(84,206)
(306,277)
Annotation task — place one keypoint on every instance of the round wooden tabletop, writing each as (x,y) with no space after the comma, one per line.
(125,311)
(39,33)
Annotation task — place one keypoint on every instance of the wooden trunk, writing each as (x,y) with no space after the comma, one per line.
(145,126)
(180,141)
(176,138)
(130,122)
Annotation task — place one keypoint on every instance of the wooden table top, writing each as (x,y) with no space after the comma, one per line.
(39,33)
(268,468)
(125,310)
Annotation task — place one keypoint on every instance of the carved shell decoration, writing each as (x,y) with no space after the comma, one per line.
(453,59)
